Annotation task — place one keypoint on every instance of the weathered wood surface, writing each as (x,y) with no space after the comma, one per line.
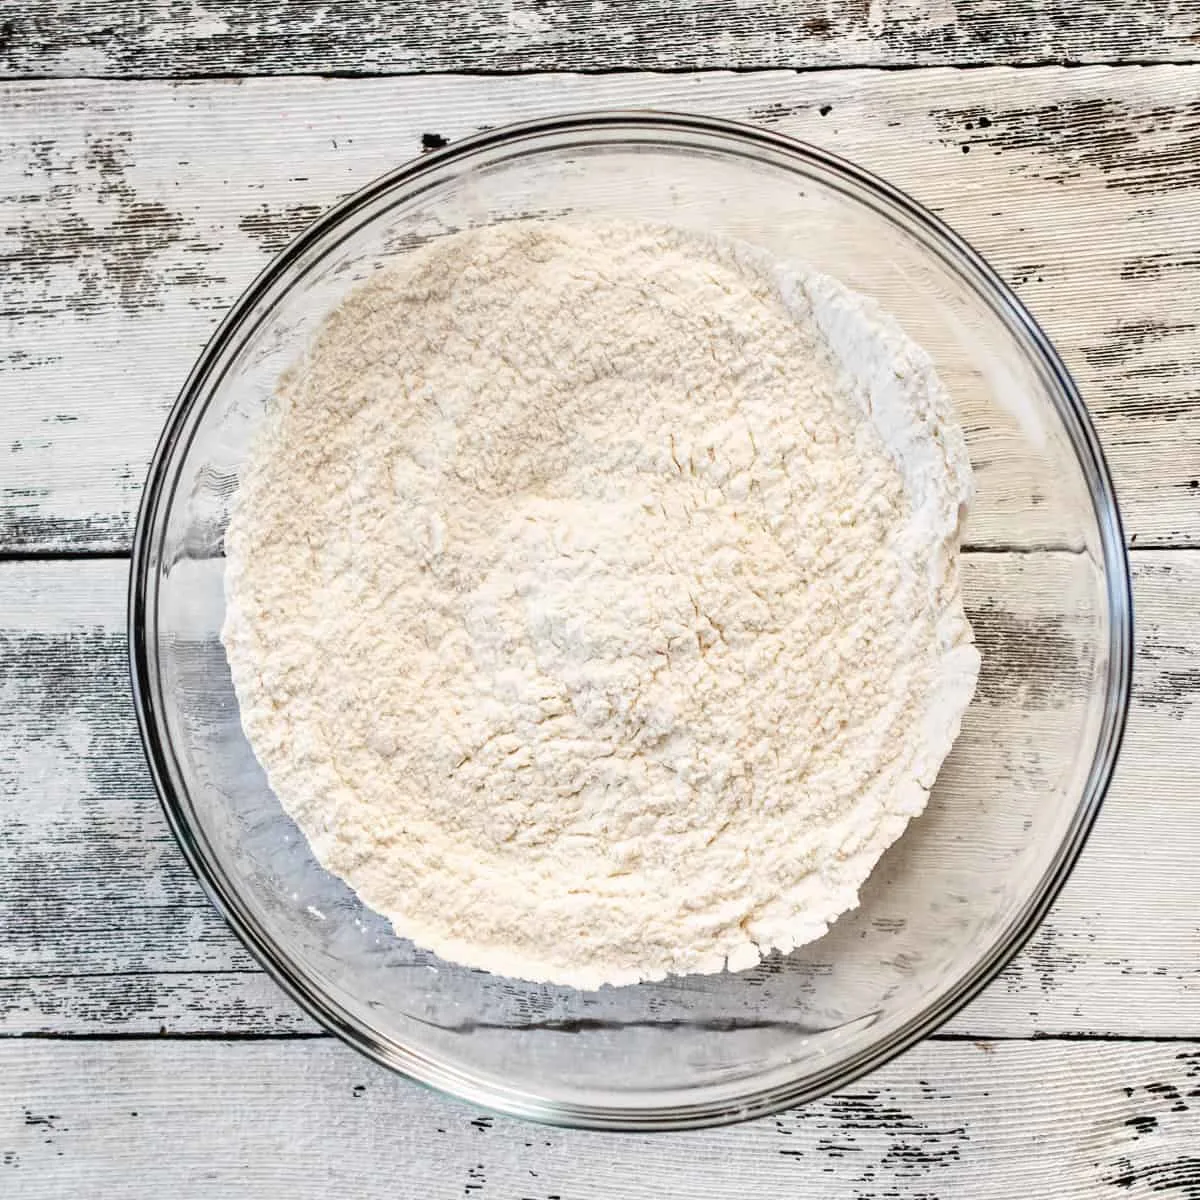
(258,37)
(958,1121)
(134,214)
(105,930)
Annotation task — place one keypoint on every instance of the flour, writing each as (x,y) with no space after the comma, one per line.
(593,603)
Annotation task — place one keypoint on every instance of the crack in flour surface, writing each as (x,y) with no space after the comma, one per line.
(593,601)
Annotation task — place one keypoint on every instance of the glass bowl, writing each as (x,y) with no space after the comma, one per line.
(1046,583)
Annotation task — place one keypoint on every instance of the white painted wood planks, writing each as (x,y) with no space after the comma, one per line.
(106,930)
(259,1120)
(135,213)
(267,37)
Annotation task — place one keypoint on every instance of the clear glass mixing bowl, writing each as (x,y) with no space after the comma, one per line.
(1046,584)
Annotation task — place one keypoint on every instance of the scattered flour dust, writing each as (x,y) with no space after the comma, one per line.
(593,601)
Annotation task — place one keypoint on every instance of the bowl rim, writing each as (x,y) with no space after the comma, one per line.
(170,784)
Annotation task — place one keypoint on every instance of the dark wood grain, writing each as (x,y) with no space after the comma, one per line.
(161,39)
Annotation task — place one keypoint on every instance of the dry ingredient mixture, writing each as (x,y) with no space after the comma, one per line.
(593,601)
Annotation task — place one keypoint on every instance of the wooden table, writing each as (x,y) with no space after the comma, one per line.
(153,157)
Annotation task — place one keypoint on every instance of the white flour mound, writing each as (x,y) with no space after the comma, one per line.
(593,601)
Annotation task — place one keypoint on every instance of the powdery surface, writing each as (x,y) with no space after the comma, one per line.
(593,602)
